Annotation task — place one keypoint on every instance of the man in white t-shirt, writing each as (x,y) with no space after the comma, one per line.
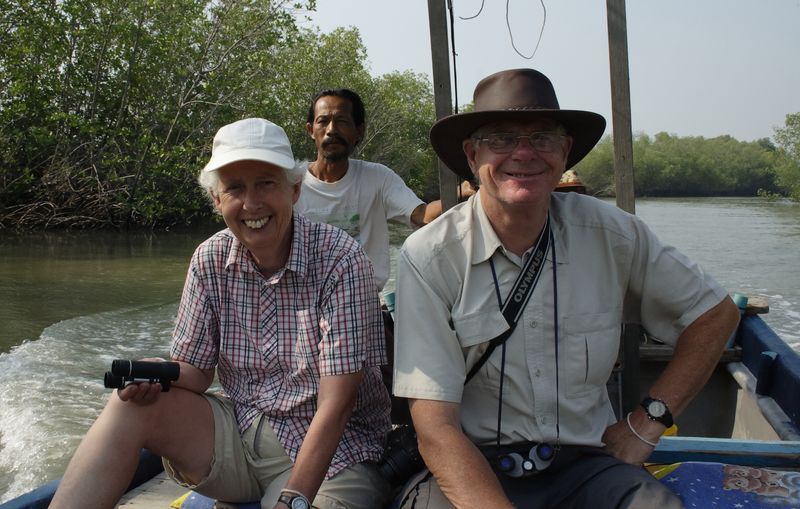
(359,197)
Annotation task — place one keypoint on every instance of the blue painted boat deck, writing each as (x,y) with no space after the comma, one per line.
(704,472)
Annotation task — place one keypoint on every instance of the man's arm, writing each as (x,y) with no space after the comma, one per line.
(337,395)
(463,474)
(696,355)
(427,212)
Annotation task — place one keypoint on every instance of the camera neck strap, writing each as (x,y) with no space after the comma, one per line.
(520,294)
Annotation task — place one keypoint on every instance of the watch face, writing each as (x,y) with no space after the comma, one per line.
(656,408)
(299,503)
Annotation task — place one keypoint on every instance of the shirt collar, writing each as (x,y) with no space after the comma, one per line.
(240,258)
(485,241)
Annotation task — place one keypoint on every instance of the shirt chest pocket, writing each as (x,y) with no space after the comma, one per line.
(474,331)
(591,345)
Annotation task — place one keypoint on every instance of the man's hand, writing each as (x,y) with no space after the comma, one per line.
(625,446)
(466,189)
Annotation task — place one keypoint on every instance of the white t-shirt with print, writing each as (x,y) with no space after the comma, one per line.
(361,203)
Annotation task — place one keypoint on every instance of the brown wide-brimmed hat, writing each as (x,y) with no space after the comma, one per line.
(515,94)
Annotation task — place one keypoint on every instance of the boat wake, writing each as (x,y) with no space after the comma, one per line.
(52,389)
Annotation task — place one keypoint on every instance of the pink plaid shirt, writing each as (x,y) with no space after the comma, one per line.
(271,338)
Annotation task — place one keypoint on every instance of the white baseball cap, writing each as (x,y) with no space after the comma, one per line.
(251,139)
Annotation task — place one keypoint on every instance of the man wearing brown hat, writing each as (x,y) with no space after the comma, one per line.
(509,309)
(284,312)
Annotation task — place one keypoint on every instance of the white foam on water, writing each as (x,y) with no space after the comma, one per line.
(784,318)
(52,389)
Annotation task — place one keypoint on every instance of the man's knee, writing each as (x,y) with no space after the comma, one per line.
(618,485)
(651,493)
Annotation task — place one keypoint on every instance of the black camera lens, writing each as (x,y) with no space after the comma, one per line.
(401,459)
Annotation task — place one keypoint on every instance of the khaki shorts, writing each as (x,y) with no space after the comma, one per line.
(254,466)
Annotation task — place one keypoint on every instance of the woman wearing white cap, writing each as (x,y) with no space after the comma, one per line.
(284,312)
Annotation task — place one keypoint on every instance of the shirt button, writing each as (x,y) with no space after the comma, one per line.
(532,324)
(544,420)
(537,373)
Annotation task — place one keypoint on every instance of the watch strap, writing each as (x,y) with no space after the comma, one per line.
(289,496)
(665,419)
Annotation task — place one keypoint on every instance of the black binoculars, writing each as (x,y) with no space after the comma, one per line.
(514,464)
(125,372)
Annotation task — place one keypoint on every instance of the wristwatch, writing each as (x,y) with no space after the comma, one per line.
(295,501)
(657,411)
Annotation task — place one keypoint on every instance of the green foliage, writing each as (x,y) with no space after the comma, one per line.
(787,156)
(400,114)
(313,63)
(596,170)
(400,108)
(788,137)
(668,165)
(107,108)
(767,195)
(107,111)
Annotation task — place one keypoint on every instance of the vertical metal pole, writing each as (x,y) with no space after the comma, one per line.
(440,53)
(621,105)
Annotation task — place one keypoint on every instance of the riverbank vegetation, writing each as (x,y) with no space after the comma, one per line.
(107,111)
(669,165)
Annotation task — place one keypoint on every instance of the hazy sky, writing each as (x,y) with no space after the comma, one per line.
(697,67)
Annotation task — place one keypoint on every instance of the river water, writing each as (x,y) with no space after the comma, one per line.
(72,302)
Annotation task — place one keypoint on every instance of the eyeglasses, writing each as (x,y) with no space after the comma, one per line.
(503,143)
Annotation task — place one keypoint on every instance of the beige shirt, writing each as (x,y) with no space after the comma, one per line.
(610,269)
